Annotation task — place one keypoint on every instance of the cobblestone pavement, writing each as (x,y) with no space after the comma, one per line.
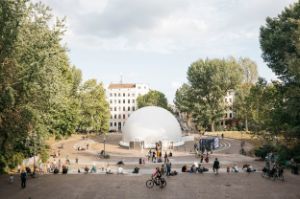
(185,185)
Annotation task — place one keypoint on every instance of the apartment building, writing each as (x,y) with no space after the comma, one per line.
(122,102)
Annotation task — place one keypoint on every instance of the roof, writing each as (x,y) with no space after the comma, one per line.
(117,86)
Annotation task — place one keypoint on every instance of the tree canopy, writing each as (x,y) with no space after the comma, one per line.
(153,98)
(208,82)
(39,89)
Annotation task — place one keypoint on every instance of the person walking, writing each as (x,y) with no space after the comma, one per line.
(76,160)
(216,166)
(23,179)
(166,157)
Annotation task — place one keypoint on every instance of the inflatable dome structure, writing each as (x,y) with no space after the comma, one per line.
(150,125)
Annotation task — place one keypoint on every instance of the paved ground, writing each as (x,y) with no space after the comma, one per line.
(206,186)
(185,185)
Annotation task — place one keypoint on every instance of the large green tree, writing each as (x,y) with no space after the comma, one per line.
(279,40)
(208,82)
(242,102)
(94,109)
(153,98)
(39,89)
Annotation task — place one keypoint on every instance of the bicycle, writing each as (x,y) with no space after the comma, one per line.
(161,182)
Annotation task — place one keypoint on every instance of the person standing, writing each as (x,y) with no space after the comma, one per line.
(23,178)
(76,160)
(216,166)
(168,164)
(166,157)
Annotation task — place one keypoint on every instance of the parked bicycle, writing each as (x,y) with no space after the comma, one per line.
(161,182)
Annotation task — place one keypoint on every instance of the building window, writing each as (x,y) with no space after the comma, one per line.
(111,124)
(124,116)
(133,101)
(110,94)
(230,115)
(123,94)
(230,100)
(128,108)
(110,108)
(115,124)
(119,108)
(129,101)
(133,108)
(123,101)
(119,101)
(123,123)
(119,116)
(119,94)
(115,94)
(128,115)
(133,94)
(115,116)
(110,116)
(115,109)
(128,94)
(123,108)
(110,101)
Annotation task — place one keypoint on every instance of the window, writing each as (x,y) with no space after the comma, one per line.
(119,101)
(110,108)
(110,101)
(110,116)
(110,94)
(128,115)
(115,124)
(119,94)
(123,101)
(123,94)
(124,116)
(115,101)
(111,124)
(119,116)
(128,94)
(230,115)
(133,108)
(115,116)
(115,109)
(115,94)
(123,108)
(119,108)
(133,101)
(128,108)
(129,101)
(133,94)
(230,100)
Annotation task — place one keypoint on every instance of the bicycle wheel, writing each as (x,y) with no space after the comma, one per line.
(149,184)
(163,183)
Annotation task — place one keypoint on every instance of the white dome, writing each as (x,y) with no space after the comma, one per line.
(152,124)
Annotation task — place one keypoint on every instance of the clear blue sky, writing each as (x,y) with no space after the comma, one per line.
(155,41)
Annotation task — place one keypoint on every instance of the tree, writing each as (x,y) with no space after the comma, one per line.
(94,109)
(242,102)
(208,82)
(153,98)
(38,87)
(279,40)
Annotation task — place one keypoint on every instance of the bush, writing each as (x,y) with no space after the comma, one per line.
(264,150)
(15,160)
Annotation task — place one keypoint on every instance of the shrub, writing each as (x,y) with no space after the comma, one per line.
(264,150)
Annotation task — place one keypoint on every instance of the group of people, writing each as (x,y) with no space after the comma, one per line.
(155,155)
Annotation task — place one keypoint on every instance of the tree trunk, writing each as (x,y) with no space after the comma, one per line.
(213,126)
(246,123)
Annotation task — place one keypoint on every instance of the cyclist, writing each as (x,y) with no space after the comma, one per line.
(157,174)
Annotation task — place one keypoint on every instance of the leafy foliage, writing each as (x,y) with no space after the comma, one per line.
(208,82)
(153,98)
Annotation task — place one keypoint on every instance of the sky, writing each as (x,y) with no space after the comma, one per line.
(155,41)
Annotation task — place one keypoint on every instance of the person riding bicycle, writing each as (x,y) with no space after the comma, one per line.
(157,173)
